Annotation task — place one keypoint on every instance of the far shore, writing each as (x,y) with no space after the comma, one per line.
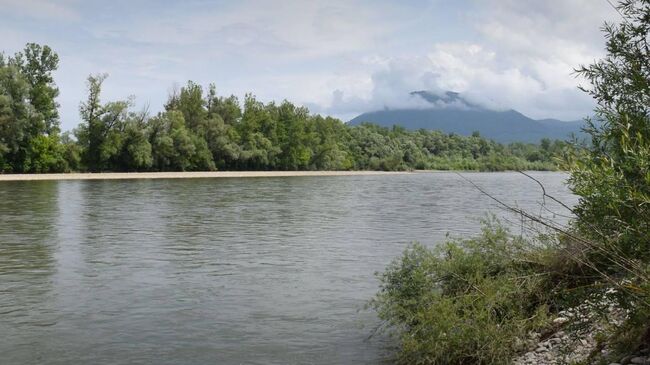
(184,175)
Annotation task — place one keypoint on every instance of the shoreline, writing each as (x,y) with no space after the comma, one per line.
(185,175)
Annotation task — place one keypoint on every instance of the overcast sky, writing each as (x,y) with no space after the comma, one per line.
(339,57)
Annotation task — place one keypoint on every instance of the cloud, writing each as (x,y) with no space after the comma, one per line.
(340,57)
(41,9)
(481,75)
(523,57)
(282,28)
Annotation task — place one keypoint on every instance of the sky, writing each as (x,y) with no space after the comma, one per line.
(338,57)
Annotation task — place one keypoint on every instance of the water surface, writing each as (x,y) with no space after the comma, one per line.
(222,271)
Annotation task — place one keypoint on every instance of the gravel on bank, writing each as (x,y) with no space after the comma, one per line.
(183,175)
(598,315)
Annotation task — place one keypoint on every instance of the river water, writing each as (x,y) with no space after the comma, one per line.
(223,271)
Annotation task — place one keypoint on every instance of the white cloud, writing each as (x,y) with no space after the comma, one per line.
(523,58)
(41,9)
(283,28)
(546,90)
(342,57)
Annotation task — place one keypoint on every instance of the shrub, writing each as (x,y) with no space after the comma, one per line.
(466,301)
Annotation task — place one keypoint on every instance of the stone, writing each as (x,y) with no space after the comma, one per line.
(560,320)
(639,360)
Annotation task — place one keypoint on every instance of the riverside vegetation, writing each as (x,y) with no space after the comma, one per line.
(575,294)
(200,131)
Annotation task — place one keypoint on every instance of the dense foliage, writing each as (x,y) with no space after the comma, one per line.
(612,177)
(473,301)
(29,121)
(464,302)
(199,130)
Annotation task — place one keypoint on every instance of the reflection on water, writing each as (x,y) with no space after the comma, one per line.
(228,271)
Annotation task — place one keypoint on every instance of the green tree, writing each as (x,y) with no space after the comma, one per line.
(190,102)
(16,117)
(174,147)
(100,133)
(331,151)
(136,152)
(228,108)
(29,121)
(295,137)
(257,130)
(613,175)
(37,63)
(71,152)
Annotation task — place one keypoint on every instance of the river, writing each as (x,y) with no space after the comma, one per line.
(223,271)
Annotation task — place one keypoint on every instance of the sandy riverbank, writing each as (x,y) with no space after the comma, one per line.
(183,175)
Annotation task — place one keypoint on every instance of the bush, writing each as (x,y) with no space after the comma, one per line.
(464,301)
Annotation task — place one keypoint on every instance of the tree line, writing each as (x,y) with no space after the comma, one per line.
(201,131)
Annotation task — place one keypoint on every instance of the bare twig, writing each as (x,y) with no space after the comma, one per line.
(613,256)
(545,194)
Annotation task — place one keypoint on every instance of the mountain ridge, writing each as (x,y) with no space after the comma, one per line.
(450,112)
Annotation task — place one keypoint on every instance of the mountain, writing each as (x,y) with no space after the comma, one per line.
(451,113)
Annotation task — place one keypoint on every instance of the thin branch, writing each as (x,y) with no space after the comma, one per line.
(617,9)
(545,194)
(622,262)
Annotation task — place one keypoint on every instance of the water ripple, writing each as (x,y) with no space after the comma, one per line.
(228,271)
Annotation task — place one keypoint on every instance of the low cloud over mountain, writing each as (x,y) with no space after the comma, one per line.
(451,112)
